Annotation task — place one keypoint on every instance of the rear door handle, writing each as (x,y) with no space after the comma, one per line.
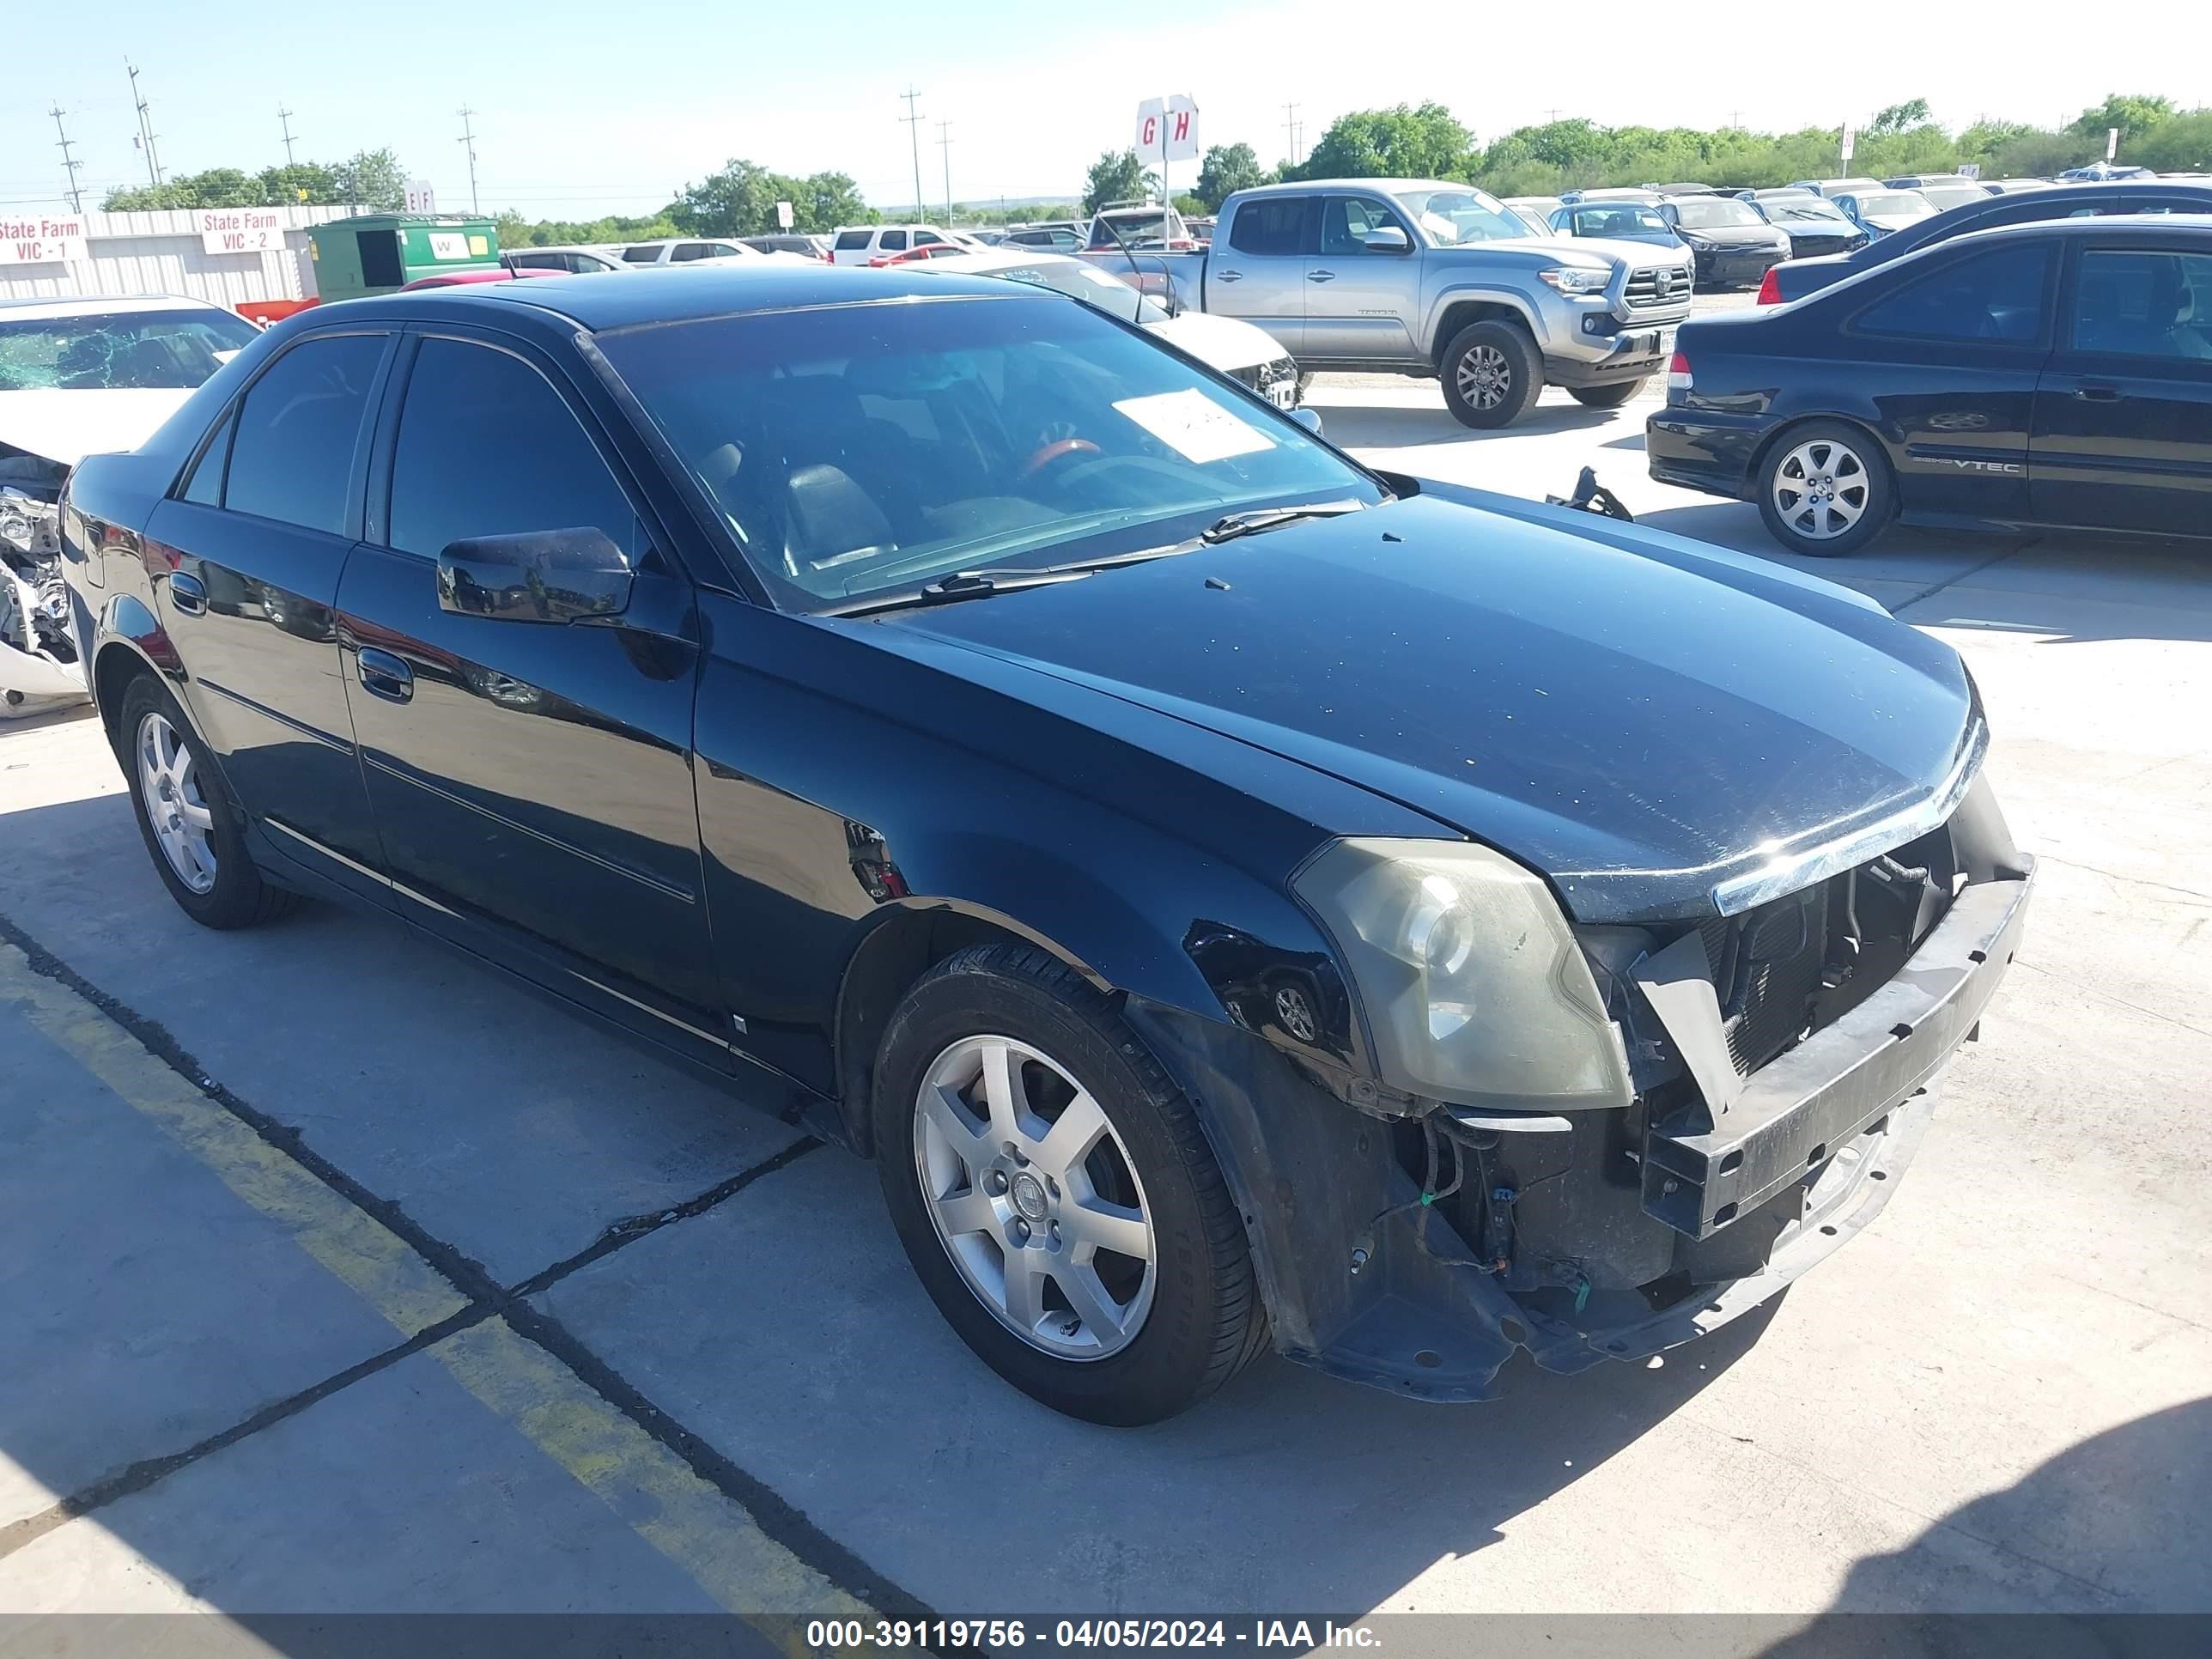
(382,675)
(1321,276)
(187,594)
(2097,391)
(1228,276)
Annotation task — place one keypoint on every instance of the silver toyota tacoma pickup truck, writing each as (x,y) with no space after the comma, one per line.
(1419,277)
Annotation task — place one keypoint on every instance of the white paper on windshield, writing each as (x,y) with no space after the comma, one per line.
(1194,426)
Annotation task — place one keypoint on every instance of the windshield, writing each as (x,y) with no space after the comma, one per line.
(1804,210)
(1081,282)
(865,450)
(1893,205)
(1452,218)
(1712,213)
(129,350)
(1943,197)
(1618,219)
(1138,229)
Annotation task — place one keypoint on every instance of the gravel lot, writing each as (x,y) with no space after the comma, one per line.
(340,1275)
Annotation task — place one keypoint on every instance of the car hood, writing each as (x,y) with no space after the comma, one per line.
(1221,343)
(1659,726)
(66,426)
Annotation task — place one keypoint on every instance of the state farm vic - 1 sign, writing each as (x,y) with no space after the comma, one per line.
(39,240)
(240,230)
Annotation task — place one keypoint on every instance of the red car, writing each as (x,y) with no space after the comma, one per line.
(926,251)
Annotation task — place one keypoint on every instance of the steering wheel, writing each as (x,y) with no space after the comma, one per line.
(1046,454)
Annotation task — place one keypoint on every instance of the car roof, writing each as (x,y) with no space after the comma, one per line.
(102,305)
(1304,187)
(672,294)
(2087,227)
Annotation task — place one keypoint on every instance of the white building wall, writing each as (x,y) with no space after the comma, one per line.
(163,253)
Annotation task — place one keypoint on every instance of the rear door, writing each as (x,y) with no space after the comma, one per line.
(248,556)
(1259,272)
(2124,413)
(531,781)
(1951,350)
(1358,298)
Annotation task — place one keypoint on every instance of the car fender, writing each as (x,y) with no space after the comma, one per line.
(1485,291)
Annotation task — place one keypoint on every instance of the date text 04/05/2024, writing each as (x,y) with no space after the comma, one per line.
(992,1635)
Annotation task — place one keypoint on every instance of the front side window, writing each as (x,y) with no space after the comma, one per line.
(165,350)
(864,450)
(642,256)
(1270,225)
(1998,296)
(487,448)
(1346,221)
(684,252)
(926,238)
(894,242)
(292,457)
(2144,303)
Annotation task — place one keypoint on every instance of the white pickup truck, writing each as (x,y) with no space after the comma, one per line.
(1422,277)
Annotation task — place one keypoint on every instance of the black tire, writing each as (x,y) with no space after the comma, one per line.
(1605,396)
(1862,478)
(240,897)
(1205,1321)
(1523,367)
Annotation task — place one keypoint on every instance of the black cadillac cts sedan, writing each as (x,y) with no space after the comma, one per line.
(1238,898)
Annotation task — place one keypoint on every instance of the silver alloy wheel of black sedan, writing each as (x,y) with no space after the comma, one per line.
(1034,1197)
(176,804)
(1821,488)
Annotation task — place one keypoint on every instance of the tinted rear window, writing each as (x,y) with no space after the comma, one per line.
(1999,295)
(1271,225)
(849,239)
(292,456)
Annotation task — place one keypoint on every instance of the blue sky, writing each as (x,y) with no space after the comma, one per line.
(589,108)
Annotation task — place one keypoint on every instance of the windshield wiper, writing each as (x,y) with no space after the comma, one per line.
(1248,524)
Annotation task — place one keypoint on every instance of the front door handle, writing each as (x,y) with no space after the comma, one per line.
(187,594)
(1228,276)
(382,675)
(2097,391)
(1321,276)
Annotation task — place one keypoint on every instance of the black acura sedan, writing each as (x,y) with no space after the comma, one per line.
(2053,373)
(1238,897)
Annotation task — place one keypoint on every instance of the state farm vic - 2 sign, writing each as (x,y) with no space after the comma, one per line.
(41,240)
(240,230)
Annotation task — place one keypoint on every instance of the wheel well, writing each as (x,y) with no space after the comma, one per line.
(899,951)
(110,671)
(1461,313)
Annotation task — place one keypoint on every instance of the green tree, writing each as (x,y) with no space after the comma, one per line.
(1116,176)
(370,180)
(2182,145)
(1402,143)
(299,183)
(824,201)
(2132,116)
(2038,154)
(1227,169)
(1913,113)
(1982,141)
(738,201)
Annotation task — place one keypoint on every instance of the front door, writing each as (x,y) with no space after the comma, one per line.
(1260,274)
(2124,414)
(1358,297)
(247,556)
(532,781)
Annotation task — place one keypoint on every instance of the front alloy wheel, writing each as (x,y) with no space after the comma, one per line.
(1033,1195)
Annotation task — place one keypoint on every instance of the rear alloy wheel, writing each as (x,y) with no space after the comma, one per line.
(1825,491)
(1491,375)
(1055,1192)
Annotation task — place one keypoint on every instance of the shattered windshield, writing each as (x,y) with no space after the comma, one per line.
(127,350)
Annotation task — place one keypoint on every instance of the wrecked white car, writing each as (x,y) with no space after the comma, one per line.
(79,377)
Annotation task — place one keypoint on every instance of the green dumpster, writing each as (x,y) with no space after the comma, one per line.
(377,253)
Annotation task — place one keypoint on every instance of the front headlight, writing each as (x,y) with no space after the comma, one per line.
(1576,279)
(1475,989)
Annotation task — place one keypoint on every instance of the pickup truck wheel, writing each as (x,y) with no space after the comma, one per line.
(1605,396)
(1825,489)
(1492,373)
(1055,1195)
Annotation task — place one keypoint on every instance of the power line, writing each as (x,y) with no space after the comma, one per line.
(145,128)
(69,162)
(468,142)
(913,136)
(285,116)
(1291,128)
(945,143)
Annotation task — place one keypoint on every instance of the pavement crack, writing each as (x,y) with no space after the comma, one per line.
(2164,1019)
(2189,893)
(1972,571)
(630,1230)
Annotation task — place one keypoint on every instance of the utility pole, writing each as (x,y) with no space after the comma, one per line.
(145,128)
(469,142)
(1291,129)
(285,116)
(69,163)
(945,143)
(913,137)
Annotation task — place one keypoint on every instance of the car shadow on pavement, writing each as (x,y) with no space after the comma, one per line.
(1371,426)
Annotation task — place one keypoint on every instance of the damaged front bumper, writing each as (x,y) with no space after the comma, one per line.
(1367,1279)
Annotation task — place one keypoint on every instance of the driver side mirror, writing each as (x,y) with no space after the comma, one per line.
(1387,239)
(537,576)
